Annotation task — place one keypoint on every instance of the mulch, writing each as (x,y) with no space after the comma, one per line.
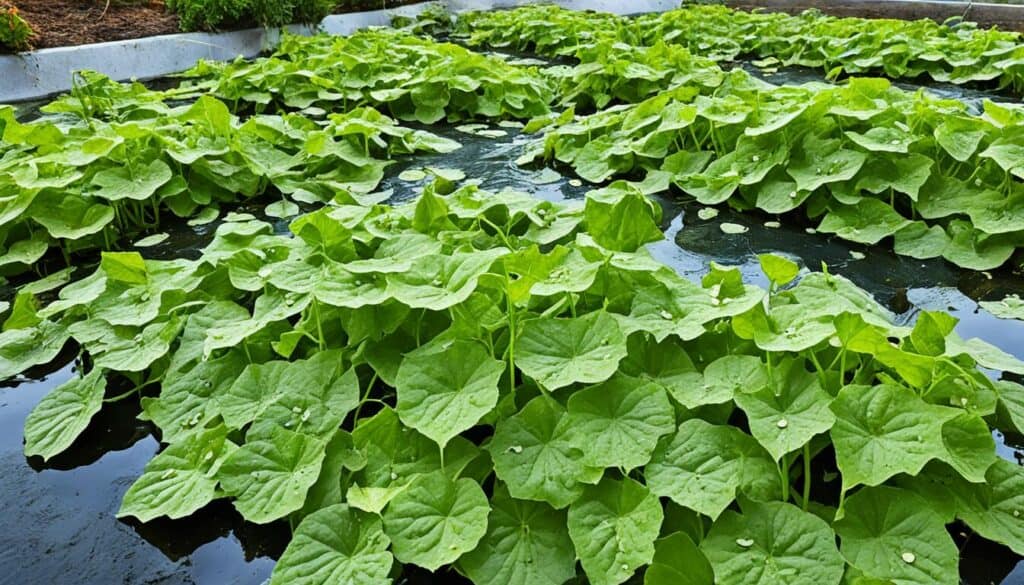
(61,23)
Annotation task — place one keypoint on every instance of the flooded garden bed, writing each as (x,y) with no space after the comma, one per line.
(607,309)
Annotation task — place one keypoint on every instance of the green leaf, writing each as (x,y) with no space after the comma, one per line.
(726,377)
(443,393)
(703,466)
(137,183)
(269,477)
(311,382)
(526,544)
(970,448)
(180,479)
(1011,307)
(993,509)
(62,415)
(678,561)
(783,417)
(823,161)
(884,430)
(665,364)
(867,222)
(440,281)
(984,353)
(618,423)
(395,454)
(772,543)
(126,267)
(620,217)
(535,456)
(779,270)
(336,544)
(26,252)
(436,520)
(892,534)
(558,352)
(960,136)
(613,526)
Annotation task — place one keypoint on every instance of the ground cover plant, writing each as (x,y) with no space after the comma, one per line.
(409,77)
(217,14)
(864,161)
(90,183)
(513,389)
(618,73)
(14,31)
(896,48)
(531,388)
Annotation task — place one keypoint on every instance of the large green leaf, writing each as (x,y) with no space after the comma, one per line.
(269,477)
(884,430)
(21,349)
(772,543)
(891,534)
(618,423)
(559,352)
(785,415)
(613,526)
(336,544)
(526,544)
(703,466)
(534,454)
(131,182)
(619,217)
(443,393)
(678,561)
(436,520)
(993,508)
(62,415)
(180,479)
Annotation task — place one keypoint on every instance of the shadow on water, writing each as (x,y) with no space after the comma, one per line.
(60,524)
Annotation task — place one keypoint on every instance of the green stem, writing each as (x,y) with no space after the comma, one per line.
(784,476)
(510,307)
(319,324)
(807,475)
(364,399)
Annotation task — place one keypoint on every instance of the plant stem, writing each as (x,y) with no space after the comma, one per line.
(807,475)
(784,476)
(510,307)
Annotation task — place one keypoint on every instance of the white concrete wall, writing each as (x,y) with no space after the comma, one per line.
(45,72)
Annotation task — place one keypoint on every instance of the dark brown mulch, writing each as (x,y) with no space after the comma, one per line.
(61,23)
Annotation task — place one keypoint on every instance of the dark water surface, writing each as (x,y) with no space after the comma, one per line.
(58,525)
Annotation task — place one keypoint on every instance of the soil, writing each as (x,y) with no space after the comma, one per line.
(61,23)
